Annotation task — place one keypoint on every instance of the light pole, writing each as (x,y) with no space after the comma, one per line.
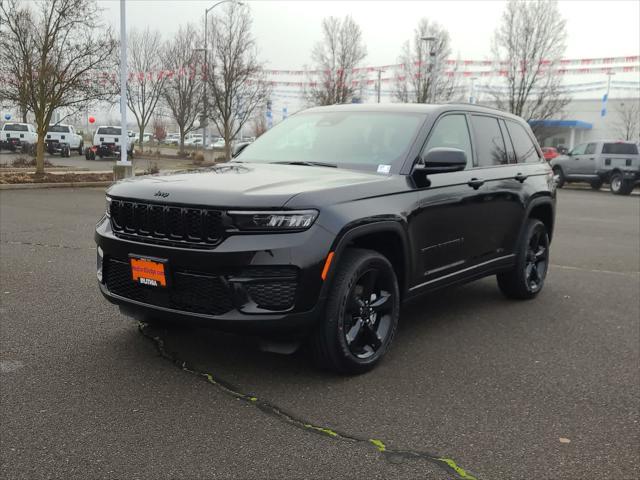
(205,118)
(472,96)
(379,83)
(432,64)
(124,136)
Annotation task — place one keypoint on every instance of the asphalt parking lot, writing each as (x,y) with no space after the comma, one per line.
(476,386)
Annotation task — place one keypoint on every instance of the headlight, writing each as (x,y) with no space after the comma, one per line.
(107,211)
(274,221)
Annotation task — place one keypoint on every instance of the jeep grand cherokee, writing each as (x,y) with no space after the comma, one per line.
(327,222)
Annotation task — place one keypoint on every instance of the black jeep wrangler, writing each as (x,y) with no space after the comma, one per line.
(322,227)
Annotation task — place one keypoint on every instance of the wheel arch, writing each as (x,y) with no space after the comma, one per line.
(542,209)
(389,238)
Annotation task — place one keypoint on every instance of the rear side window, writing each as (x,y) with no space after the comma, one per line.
(489,143)
(525,148)
(451,132)
(620,148)
(108,131)
(13,127)
(591,149)
(58,129)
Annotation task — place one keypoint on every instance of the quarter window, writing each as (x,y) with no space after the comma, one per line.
(526,151)
(489,141)
(451,131)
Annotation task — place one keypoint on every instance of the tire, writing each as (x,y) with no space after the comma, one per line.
(526,279)
(620,186)
(559,174)
(596,184)
(80,148)
(361,315)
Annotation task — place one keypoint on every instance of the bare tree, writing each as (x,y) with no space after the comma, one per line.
(59,52)
(628,122)
(336,56)
(234,76)
(531,40)
(146,76)
(183,90)
(424,79)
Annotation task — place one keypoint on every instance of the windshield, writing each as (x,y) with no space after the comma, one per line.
(108,131)
(354,139)
(15,127)
(58,129)
(620,148)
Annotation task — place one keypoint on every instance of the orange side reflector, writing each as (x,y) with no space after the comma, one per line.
(327,264)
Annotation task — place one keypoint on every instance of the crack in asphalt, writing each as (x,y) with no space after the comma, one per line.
(46,245)
(393,455)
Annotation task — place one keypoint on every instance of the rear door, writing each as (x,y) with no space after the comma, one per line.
(501,204)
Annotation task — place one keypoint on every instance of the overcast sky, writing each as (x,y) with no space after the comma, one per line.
(287,30)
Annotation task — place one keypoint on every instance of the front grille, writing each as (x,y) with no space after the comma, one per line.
(188,292)
(167,224)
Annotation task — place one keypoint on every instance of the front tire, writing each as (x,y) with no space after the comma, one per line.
(361,315)
(80,148)
(526,279)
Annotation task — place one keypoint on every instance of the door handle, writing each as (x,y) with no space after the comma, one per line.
(476,183)
(592,158)
(520,177)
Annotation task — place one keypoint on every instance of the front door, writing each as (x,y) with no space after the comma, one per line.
(449,208)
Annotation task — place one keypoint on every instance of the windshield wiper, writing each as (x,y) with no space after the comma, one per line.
(308,164)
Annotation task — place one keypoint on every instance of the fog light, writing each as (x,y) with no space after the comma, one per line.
(99,257)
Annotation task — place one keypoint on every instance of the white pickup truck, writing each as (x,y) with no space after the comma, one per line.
(62,139)
(107,142)
(14,136)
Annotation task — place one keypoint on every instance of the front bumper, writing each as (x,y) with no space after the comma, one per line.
(254,283)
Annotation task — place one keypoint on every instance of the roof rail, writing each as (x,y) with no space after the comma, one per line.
(475,105)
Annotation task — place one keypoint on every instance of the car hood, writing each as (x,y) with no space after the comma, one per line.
(244,185)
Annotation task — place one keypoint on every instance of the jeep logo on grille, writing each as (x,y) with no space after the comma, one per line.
(161,194)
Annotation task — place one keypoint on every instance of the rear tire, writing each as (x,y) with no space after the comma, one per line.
(526,279)
(361,314)
(80,148)
(620,186)
(560,180)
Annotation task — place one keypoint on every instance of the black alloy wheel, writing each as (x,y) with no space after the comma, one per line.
(526,278)
(361,314)
(368,317)
(537,260)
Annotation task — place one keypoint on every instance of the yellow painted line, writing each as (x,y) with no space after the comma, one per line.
(326,431)
(462,473)
(378,444)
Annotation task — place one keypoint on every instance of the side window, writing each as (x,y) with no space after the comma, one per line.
(579,149)
(508,141)
(489,141)
(526,151)
(591,149)
(451,131)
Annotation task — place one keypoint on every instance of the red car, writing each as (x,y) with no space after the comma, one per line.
(550,153)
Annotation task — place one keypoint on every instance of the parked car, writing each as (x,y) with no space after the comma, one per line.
(604,161)
(107,143)
(63,139)
(218,144)
(18,136)
(172,139)
(324,225)
(549,153)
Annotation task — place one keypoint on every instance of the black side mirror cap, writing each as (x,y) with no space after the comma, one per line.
(442,160)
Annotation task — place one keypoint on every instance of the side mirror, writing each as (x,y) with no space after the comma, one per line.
(238,148)
(442,160)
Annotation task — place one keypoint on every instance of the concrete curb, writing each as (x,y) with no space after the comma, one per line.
(27,186)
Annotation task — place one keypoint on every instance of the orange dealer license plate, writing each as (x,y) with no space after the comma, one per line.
(149,271)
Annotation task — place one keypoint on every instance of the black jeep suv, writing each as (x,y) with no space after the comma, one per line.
(322,227)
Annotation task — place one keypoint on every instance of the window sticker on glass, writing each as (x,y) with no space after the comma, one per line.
(384,168)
